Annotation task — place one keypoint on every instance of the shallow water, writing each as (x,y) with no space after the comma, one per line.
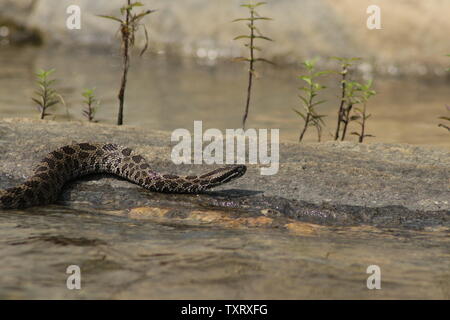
(124,258)
(168,93)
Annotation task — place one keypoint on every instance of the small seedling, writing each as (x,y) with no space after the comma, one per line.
(130,23)
(441,125)
(254,34)
(310,92)
(360,114)
(345,103)
(46,95)
(353,97)
(91,104)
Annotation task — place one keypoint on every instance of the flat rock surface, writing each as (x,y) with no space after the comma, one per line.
(333,183)
(310,231)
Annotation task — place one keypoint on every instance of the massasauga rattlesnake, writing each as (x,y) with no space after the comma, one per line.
(73,161)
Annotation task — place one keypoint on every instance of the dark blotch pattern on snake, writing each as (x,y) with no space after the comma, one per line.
(73,161)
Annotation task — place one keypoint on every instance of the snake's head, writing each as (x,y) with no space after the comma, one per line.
(223,175)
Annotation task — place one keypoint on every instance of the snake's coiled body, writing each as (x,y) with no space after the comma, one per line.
(73,161)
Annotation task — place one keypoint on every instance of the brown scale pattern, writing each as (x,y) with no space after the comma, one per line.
(73,161)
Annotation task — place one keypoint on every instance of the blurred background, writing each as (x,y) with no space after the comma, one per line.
(188,74)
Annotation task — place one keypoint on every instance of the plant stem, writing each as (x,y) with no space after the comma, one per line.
(346,120)
(250,71)
(44,100)
(341,107)
(125,40)
(304,128)
(319,133)
(363,125)
(90,117)
(308,115)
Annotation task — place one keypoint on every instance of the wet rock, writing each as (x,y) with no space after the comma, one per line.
(329,183)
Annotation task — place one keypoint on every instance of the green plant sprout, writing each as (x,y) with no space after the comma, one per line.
(91,104)
(441,125)
(445,118)
(353,97)
(129,25)
(46,95)
(360,114)
(311,90)
(345,103)
(254,34)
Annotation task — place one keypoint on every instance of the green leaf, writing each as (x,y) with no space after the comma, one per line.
(264,60)
(262,37)
(87,95)
(37,101)
(300,114)
(42,74)
(251,5)
(306,89)
(309,64)
(252,47)
(320,73)
(240,59)
(51,103)
(346,62)
(307,79)
(305,101)
(318,102)
(318,86)
(110,17)
(146,40)
(320,118)
(252,19)
(337,58)
(242,37)
(50,82)
(138,17)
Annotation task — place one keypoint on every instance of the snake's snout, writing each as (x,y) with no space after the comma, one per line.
(226,174)
(241,170)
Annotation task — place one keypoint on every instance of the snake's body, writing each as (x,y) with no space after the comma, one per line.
(76,160)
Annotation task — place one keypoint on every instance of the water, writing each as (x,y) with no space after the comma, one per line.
(121,257)
(124,258)
(168,93)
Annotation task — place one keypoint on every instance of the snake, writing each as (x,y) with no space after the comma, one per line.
(73,161)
